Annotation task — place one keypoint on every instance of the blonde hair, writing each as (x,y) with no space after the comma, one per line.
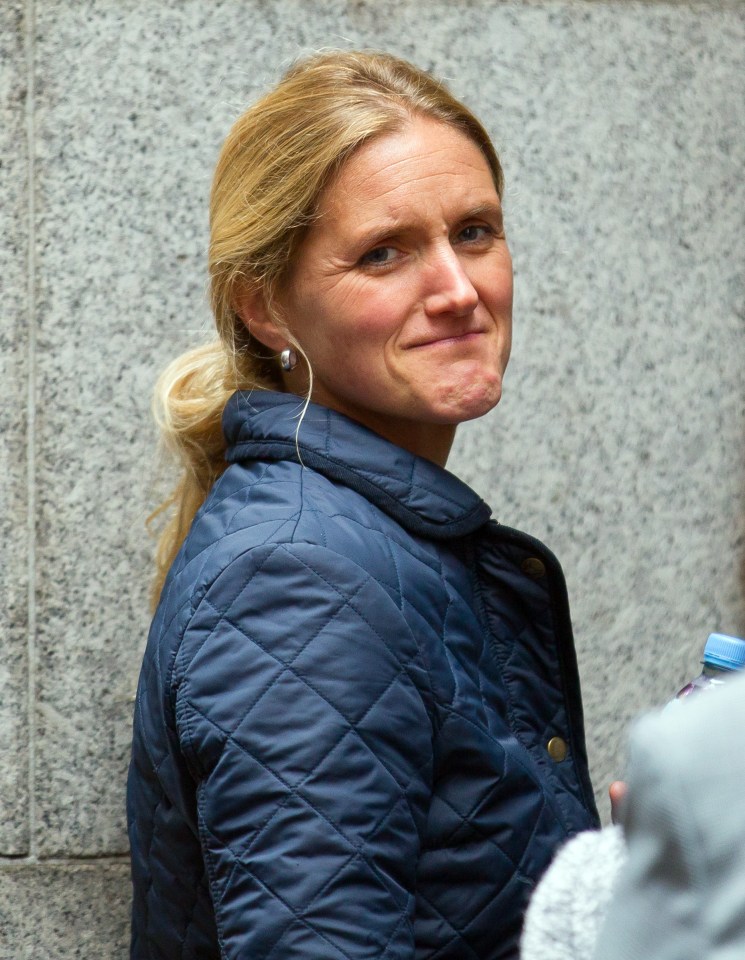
(274,164)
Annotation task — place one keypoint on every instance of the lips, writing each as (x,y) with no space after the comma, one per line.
(450,338)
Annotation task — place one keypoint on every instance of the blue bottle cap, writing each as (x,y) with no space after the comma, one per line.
(727,653)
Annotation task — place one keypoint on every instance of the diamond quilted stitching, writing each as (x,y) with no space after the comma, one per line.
(299,939)
(394,730)
(279,924)
(348,668)
(242,680)
(364,774)
(238,774)
(261,613)
(436,935)
(349,533)
(292,727)
(337,912)
(299,869)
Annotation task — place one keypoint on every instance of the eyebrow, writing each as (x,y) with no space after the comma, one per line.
(392,225)
(485,210)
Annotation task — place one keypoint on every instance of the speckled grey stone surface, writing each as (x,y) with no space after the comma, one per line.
(14,767)
(57,911)
(621,436)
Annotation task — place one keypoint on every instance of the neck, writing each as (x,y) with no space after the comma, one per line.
(429,440)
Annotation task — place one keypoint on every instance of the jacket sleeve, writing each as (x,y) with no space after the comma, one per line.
(301,710)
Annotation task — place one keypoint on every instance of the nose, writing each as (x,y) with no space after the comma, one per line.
(449,289)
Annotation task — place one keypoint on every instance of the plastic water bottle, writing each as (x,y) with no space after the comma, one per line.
(723,656)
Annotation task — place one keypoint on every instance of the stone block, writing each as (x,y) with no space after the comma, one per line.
(620,437)
(64,911)
(621,130)
(119,293)
(14,480)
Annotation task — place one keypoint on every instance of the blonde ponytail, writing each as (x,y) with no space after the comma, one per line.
(188,404)
(273,166)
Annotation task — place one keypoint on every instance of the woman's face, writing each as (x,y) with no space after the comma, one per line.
(401,295)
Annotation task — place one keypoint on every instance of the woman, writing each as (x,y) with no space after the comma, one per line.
(358,729)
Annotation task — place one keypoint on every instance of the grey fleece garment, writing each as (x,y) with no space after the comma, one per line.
(569,904)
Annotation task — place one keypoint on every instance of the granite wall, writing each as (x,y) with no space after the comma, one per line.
(620,439)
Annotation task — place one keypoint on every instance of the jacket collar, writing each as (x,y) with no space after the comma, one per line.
(422,497)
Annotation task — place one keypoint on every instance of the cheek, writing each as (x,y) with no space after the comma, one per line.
(498,291)
(494,281)
(364,324)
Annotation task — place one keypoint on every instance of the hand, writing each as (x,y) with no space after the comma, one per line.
(617,793)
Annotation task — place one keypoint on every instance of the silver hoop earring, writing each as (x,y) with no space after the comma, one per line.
(288,359)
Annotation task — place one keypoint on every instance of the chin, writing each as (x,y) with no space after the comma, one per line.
(459,405)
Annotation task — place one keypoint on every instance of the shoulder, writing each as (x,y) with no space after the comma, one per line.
(284,566)
(301,608)
(258,509)
(291,637)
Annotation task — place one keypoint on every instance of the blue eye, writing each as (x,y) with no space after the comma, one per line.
(379,256)
(474,233)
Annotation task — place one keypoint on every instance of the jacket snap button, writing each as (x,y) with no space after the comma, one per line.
(557,749)
(533,567)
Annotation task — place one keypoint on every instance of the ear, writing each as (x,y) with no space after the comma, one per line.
(251,307)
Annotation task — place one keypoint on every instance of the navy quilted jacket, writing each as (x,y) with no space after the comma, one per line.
(343,718)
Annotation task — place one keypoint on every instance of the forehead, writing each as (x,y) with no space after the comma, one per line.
(424,165)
